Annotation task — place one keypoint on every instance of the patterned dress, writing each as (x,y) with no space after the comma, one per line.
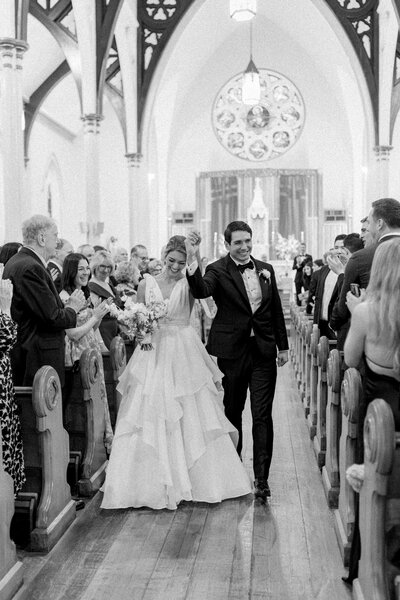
(73,352)
(13,458)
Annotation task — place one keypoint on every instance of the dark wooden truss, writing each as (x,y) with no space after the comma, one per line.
(158,20)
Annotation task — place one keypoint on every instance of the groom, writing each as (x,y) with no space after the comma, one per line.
(245,334)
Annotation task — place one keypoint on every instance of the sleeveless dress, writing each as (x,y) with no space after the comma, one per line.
(172,440)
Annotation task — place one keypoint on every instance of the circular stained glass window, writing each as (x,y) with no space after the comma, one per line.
(263,131)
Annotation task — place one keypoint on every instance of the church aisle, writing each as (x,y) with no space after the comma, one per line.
(230,551)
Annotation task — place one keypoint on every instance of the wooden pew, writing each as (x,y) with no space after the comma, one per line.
(114,363)
(379,507)
(11,570)
(308,327)
(84,419)
(330,471)
(350,397)
(319,440)
(46,456)
(313,406)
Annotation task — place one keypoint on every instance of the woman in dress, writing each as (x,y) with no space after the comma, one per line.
(172,440)
(75,276)
(13,458)
(373,344)
(101,288)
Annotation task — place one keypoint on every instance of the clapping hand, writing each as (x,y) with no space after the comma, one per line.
(335,264)
(101,310)
(192,243)
(76,301)
(6,292)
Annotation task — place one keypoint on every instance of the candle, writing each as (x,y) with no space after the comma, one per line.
(301,236)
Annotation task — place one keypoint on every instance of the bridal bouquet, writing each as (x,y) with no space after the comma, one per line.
(140,319)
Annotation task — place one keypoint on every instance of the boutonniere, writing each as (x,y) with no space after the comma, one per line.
(265,274)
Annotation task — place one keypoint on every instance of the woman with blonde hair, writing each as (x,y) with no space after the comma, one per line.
(373,345)
(375,328)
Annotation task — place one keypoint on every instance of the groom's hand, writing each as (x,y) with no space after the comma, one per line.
(192,243)
(282,358)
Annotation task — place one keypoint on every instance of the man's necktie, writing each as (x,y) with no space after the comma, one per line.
(248,265)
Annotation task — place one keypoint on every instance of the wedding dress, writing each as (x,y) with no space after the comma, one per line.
(172,440)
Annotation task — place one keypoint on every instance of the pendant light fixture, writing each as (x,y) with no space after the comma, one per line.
(251,88)
(242,10)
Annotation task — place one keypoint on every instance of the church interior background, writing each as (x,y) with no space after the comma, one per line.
(123,120)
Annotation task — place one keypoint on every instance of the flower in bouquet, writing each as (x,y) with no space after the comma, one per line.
(141,320)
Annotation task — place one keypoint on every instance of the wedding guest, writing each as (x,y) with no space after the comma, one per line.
(298,264)
(12,451)
(55,264)
(127,278)
(87,250)
(8,250)
(374,341)
(101,289)
(140,257)
(172,441)
(36,307)
(307,274)
(120,255)
(155,266)
(76,274)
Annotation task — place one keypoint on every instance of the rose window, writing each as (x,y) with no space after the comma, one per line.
(263,131)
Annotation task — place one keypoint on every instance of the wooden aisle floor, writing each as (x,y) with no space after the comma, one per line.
(239,549)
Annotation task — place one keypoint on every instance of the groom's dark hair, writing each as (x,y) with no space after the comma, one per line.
(236,226)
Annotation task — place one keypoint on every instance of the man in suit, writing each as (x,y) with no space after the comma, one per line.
(36,307)
(246,331)
(299,262)
(382,224)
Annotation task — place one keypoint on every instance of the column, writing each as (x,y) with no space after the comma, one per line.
(91,130)
(11,109)
(382,154)
(135,221)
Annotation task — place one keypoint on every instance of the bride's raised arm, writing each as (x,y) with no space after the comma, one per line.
(141,292)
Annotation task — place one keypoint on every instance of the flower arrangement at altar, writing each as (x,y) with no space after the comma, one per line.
(140,320)
(286,248)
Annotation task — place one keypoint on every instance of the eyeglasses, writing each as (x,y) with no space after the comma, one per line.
(108,267)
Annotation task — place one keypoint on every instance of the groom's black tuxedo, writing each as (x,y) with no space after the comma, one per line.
(247,361)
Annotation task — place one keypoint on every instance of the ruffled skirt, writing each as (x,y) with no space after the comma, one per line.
(172,440)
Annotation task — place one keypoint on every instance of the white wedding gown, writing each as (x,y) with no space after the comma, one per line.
(172,440)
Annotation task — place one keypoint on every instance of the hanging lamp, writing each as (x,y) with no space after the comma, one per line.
(251,88)
(242,10)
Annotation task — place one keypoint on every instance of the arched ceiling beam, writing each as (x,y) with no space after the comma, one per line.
(65,39)
(106,16)
(21,19)
(37,98)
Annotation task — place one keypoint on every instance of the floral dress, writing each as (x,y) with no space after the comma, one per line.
(73,352)
(13,457)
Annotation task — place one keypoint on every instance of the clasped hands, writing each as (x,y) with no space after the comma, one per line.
(192,243)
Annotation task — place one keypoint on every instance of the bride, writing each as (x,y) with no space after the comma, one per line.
(172,440)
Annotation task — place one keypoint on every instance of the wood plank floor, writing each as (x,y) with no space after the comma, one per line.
(239,549)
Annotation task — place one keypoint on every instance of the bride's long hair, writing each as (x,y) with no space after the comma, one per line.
(383,295)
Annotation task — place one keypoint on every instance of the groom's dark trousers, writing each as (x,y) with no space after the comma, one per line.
(247,361)
(251,371)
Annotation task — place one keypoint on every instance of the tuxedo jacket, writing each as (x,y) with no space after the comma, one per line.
(40,315)
(234,320)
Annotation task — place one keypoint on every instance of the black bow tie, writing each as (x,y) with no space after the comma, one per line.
(248,265)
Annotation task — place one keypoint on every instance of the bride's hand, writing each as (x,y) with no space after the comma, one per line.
(192,243)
